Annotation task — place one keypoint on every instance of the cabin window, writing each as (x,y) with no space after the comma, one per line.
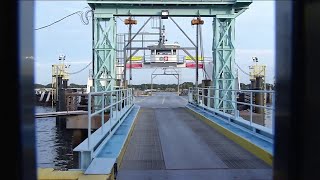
(164,52)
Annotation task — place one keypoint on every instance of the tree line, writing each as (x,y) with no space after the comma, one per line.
(71,85)
(185,85)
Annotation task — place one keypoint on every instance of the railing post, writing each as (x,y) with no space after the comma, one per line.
(273,112)
(131,96)
(209,98)
(197,95)
(102,113)
(89,119)
(234,93)
(117,104)
(121,91)
(223,101)
(251,109)
(189,92)
(111,106)
(124,98)
(202,93)
(127,98)
(110,114)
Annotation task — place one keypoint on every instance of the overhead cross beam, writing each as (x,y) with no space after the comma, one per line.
(175,8)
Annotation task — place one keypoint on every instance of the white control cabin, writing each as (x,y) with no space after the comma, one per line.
(167,53)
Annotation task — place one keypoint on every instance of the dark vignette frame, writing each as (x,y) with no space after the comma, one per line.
(297,67)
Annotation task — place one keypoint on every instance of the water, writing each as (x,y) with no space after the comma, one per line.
(54,144)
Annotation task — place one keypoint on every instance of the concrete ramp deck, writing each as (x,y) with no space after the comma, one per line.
(168,142)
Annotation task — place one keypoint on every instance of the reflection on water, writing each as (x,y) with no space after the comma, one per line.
(54,144)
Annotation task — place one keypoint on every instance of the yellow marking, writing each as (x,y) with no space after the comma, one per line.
(94,177)
(136,58)
(50,173)
(189,58)
(257,151)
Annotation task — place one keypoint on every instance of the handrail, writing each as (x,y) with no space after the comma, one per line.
(204,97)
(118,102)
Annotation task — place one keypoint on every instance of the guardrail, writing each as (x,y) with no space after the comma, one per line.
(116,104)
(251,110)
(119,100)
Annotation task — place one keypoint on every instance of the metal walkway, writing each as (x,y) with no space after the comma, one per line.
(170,143)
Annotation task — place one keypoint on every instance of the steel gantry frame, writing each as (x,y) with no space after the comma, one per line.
(104,51)
(223,53)
(223,13)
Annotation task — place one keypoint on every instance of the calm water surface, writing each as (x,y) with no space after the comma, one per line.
(54,144)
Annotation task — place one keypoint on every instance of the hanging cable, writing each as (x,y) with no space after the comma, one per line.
(80,69)
(246,72)
(242,69)
(76,72)
(83,17)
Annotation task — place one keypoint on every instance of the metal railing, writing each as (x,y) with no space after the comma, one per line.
(252,110)
(116,103)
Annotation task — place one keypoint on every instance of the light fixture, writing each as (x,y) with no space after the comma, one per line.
(164,14)
(62,57)
(255,59)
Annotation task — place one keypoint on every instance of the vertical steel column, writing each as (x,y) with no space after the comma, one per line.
(223,53)
(197,56)
(104,49)
(130,52)
(125,63)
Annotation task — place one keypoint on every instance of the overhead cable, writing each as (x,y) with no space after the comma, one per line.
(83,17)
(80,69)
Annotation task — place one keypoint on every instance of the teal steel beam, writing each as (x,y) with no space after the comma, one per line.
(223,52)
(224,13)
(236,3)
(176,11)
(161,2)
(176,8)
(104,52)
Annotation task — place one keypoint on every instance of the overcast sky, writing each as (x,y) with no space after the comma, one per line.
(255,36)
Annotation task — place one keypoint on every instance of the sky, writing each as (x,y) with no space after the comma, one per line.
(255,37)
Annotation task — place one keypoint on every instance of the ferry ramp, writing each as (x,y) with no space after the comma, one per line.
(168,142)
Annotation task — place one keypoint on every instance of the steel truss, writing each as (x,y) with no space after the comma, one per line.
(223,12)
